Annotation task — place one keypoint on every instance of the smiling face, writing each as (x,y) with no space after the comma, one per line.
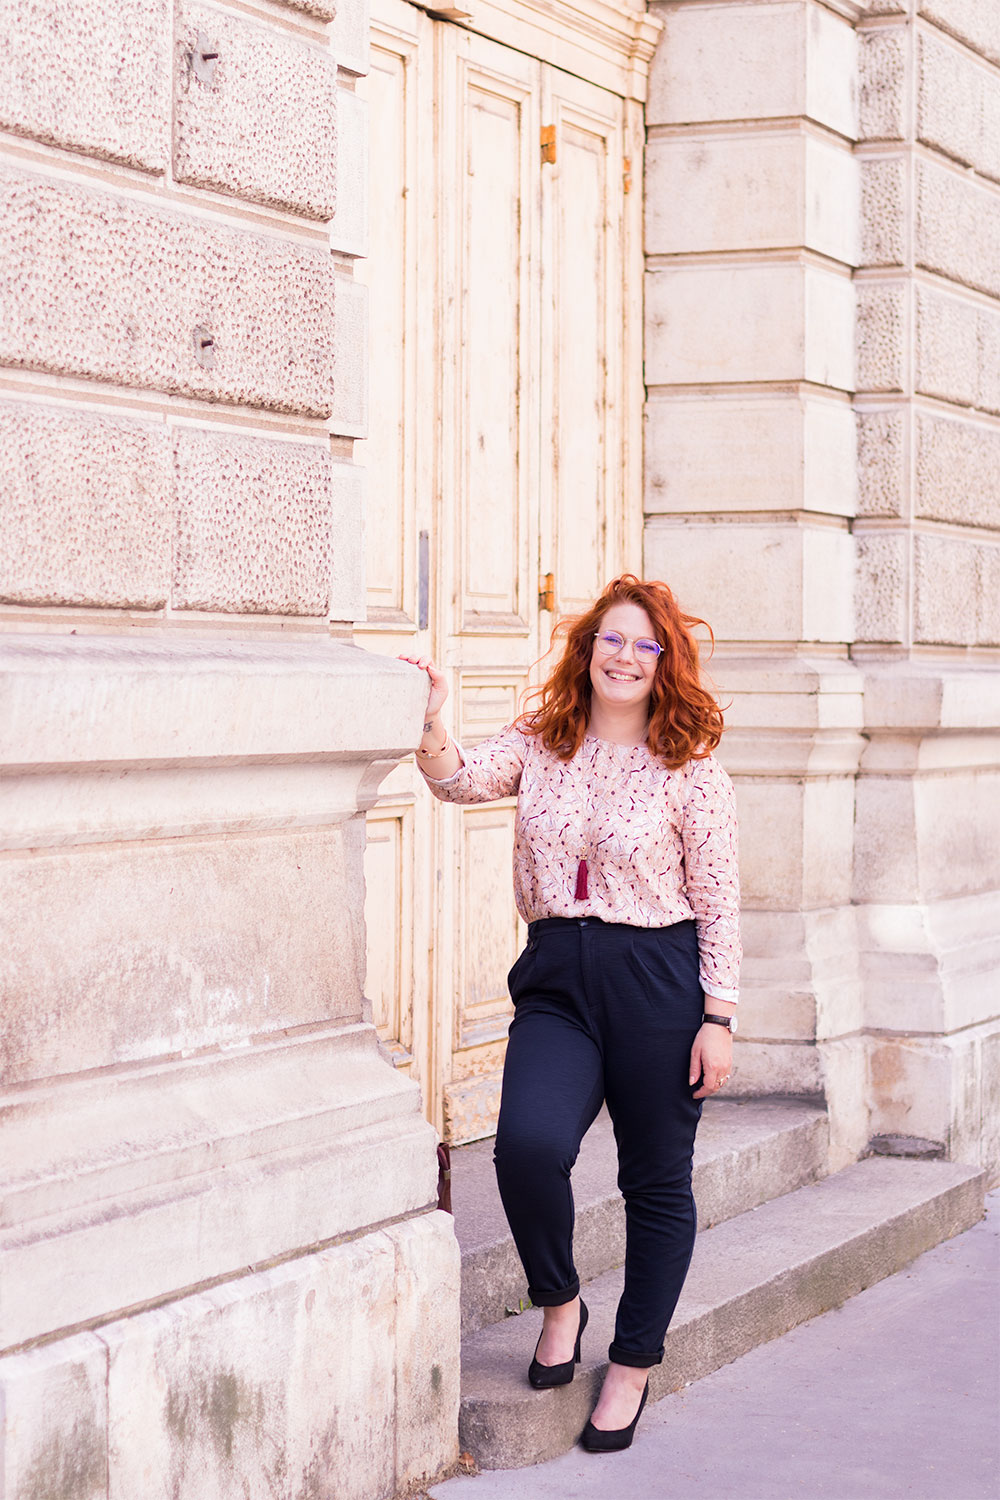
(623,680)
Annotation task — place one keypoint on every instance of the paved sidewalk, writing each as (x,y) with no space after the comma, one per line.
(896,1394)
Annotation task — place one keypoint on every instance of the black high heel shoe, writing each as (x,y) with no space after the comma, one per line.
(544,1376)
(596,1441)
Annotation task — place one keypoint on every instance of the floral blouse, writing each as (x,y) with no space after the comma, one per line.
(614,834)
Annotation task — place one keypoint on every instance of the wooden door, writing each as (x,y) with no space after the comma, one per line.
(497,447)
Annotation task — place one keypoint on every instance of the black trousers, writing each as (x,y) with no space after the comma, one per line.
(603,1012)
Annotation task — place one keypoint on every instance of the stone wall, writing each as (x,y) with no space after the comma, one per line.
(821,485)
(218,1241)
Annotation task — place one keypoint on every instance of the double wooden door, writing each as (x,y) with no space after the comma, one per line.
(503,471)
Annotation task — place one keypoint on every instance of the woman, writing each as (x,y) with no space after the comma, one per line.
(625,871)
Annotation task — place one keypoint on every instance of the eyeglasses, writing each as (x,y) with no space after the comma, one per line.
(611,642)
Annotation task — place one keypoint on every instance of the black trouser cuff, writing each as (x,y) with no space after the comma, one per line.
(555,1299)
(636,1361)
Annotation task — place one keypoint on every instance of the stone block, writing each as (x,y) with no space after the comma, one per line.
(988,348)
(749,323)
(84,509)
(884,215)
(349,229)
(844,1070)
(970,21)
(285,154)
(111,289)
(957,470)
(117,955)
(930,966)
(288,1382)
(116,702)
(348,593)
(428,1348)
(945,589)
(349,416)
(753,455)
(55,1415)
(880,588)
(745,62)
(957,230)
(90,77)
(882,95)
(947,347)
(882,439)
(323,10)
(950,99)
(881,335)
(253,525)
(759,580)
(750,192)
(933,1088)
(350,32)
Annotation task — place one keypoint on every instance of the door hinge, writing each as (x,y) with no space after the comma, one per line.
(627,175)
(547,592)
(548,143)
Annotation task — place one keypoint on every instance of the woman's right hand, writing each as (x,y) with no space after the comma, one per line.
(438,690)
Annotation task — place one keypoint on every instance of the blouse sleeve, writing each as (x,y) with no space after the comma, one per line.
(491,771)
(710,840)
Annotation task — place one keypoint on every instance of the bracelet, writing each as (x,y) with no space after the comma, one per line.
(434,754)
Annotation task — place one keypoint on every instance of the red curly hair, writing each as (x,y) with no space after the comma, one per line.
(685,722)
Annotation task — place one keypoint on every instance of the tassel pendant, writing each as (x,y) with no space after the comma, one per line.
(580,894)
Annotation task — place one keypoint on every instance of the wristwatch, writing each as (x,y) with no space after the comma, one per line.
(729,1022)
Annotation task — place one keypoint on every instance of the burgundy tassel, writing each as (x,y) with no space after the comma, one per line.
(580,894)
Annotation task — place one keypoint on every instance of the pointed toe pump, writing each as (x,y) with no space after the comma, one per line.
(596,1441)
(544,1376)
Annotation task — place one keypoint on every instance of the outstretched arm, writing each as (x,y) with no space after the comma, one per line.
(437,755)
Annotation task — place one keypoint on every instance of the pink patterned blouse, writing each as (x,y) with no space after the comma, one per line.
(613,834)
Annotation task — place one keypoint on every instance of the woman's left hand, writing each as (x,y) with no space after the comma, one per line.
(711,1059)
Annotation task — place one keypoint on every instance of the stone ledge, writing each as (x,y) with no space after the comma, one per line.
(131,1188)
(111,700)
(903,696)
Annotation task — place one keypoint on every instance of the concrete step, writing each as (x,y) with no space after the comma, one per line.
(746,1152)
(752,1278)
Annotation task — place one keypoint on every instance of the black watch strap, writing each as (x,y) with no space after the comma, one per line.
(719,1021)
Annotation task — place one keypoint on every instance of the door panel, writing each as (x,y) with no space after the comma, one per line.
(496,431)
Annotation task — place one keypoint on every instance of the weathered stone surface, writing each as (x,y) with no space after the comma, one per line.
(745,62)
(766,581)
(882,438)
(880,593)
(749,323)
(957,229)
(112,701)
(970,21)
(349,416)
(348,592)
(428,1364)
(956,598)
(938,1088)
(725,455)
(89,76)
(284,154)
(957,470)
(884,225)
(957,349)
(751,192)
(101,286)
(253,525)
(323,10)
(881,334)
(882,70)
(84,509)
(286,1382)
(130,953)
(349,229)
(55,1416)
(349,35)
(958,104)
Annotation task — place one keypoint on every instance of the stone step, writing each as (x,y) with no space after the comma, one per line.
(746,1152)
(752,1278)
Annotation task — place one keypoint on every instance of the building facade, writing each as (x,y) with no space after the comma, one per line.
(481,306)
